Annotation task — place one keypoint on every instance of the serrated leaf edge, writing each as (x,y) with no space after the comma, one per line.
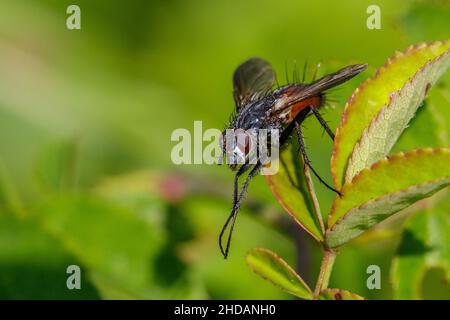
(390,159)
(290,211)
(392,98)
(347,108)
(381,198)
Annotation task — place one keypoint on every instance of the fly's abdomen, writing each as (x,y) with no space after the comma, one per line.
(313,102)
(289,102)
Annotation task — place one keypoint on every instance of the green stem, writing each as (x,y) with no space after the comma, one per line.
(325,271)
(315,202)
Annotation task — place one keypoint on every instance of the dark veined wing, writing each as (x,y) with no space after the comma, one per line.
(302,92)
(251,80)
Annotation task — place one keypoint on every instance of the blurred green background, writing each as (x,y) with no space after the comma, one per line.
(85,123)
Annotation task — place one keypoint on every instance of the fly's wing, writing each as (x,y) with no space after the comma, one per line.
(252,80)
(335,79)
(301,92)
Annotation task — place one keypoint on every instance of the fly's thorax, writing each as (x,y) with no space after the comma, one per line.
(253,115)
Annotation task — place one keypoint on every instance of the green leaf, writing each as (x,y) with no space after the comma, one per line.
(389,186)
(109,240)
(380,109)
(33,265)
(338,294)
(126,253)
(427,129)
(384,130)
(425,244)
(274,269)
(290,188)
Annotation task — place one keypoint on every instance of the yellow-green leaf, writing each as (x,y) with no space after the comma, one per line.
(381,107)
(274,269)
(384,130)
(289,187)
(389,186)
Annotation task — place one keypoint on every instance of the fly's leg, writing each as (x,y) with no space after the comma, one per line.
(236,204)
(301,143)
(240,172)
(323,123)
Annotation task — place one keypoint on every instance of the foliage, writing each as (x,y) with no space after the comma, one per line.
(85,124)
(375,186)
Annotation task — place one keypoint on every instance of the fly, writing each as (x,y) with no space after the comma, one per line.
(258,106)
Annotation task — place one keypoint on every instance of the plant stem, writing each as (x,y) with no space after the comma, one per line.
(325,271)
(314,200)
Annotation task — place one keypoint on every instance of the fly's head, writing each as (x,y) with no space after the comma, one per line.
(239,140)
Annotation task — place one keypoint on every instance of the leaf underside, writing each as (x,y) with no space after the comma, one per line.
(289,187)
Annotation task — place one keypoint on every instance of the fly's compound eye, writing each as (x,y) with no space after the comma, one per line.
(239,146)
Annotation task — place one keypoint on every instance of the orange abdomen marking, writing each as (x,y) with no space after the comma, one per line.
(299,106)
